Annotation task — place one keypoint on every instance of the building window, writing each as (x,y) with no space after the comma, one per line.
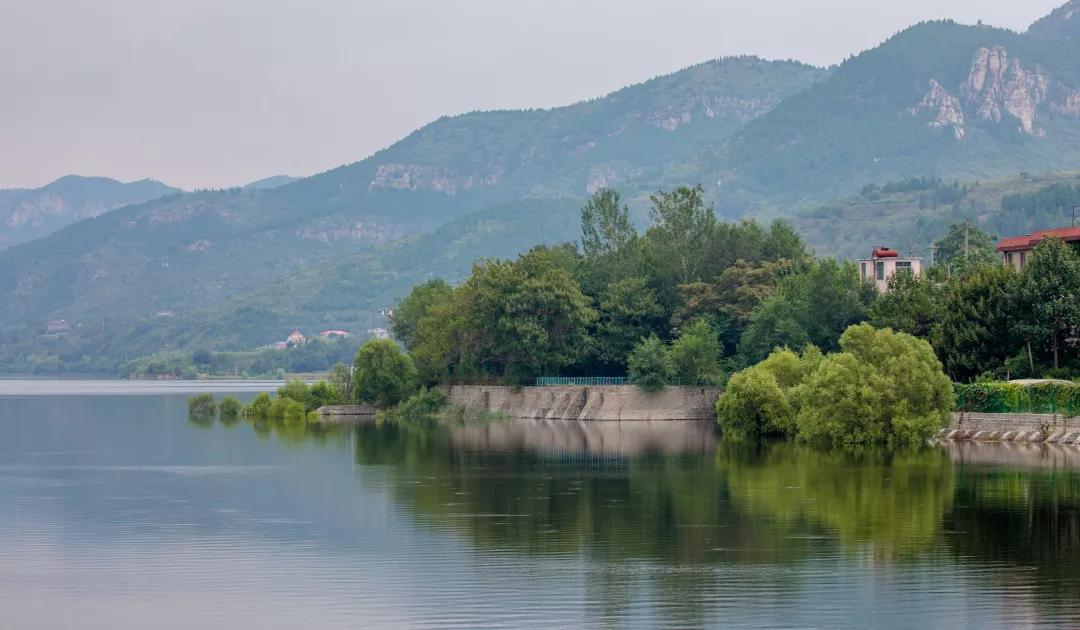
(1023,259)
(903,266)
(1009,259)
(880,270)
(863,270)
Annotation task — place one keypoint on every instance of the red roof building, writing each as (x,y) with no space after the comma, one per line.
(884,263)
(1016,250)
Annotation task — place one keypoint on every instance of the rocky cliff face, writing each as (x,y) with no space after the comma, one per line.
(999,88)
(26,214)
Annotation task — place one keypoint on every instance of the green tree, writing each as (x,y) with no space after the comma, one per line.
(382,375)
(884,387)
(628,312)
(414,307)
(230,408)
(323,394)
(1048,297)
(974,333)
(911,305)
(680,243)
(776,323)
(965,245)
(296,390)
(341,379)
(605,224)
(695,355)
(763,400)
(650,365)
(202,406)
(526,317)
(260,407)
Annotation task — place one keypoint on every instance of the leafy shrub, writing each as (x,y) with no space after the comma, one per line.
(761,400)
(201,406)
(883,387)
(1015,398)
(230,407)
(298,391)
(383,374)
(650,365)
(695,355)
(260,407)
(323,393)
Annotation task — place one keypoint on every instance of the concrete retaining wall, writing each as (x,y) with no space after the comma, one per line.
(1013,427)
(611,403)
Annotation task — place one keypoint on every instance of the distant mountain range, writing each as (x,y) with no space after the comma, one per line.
(765,138)
(28,214)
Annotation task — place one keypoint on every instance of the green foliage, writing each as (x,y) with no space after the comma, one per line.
(763,400)
(298,391)
(813,306)
(422,406)
(912,305)
(1047,304)
(202,406)
(965,245)
(628,312)
(991,397)
(883,387)
(383,375)
(323,394)
(341,378)
(230,408)
(650,365)
(260,406)
(695,355)
(415,307)
(605,225)
(975,329)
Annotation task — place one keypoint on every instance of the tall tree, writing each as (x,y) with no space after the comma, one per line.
(1048,297)
(415,307)
(974,333)
(605,224)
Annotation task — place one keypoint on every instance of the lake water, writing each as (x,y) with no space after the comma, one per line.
(117,512)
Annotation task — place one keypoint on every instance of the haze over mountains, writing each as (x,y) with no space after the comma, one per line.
(764,138)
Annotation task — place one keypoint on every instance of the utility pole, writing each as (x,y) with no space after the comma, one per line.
(1075,208)
(933,251)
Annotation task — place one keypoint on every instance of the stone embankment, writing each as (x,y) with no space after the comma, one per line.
(337,414)
(1013,427)
(606,403)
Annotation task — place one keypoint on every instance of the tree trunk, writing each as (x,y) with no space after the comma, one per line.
(1054,345)
(1031,358)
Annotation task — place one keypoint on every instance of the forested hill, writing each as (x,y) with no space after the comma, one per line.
(967,102)
(192,251)
(30,213)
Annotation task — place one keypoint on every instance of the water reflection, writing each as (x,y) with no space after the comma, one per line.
(513,524)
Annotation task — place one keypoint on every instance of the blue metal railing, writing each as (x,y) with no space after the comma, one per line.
(582,381)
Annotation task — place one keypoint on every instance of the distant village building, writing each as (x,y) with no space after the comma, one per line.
(331,334)
(378,333)
(884,263)
(296,338)
(1016,250)
(161,314)
(57,327)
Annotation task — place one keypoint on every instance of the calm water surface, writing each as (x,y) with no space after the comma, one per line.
(117,512)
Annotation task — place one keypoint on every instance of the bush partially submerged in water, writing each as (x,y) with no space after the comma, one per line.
(295,400)
(882,388)
(201,406)
(763,399)
(230,408)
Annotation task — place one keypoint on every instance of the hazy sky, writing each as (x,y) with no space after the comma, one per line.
(209,93)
